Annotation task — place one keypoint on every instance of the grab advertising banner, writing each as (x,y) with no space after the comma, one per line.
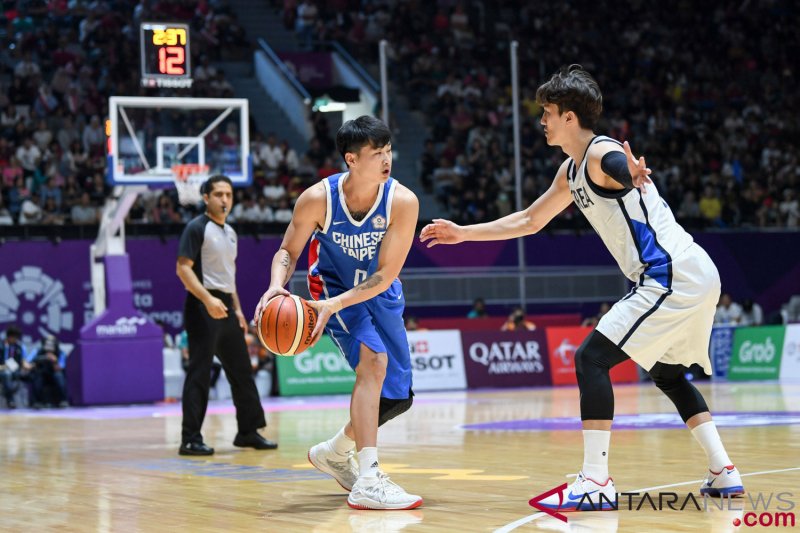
(790,360)
(506,359)
(756,353)
(437,361)
(563,342)
(321,369)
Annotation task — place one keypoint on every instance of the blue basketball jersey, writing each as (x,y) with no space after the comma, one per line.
(343,254)
(345,251)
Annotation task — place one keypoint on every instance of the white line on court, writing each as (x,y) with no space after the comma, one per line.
(522,521)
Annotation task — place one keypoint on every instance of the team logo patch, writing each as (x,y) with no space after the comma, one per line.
(378,222)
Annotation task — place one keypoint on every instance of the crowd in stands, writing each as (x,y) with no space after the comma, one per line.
(710,106)
(700,89)
(60,61)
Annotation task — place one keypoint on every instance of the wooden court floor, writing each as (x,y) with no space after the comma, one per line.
(475,457)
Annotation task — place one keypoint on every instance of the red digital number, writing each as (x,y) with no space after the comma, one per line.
(171,59)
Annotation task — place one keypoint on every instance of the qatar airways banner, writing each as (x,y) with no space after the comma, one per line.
(506,359)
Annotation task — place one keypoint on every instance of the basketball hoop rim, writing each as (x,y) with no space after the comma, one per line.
(182,173)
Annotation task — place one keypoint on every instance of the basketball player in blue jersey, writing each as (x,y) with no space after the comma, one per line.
(361,224)
(663,324)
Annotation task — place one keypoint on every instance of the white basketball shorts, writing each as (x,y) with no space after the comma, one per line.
(668,324)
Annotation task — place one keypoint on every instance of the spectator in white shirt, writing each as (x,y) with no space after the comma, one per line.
(289,157)
(29,156)
(728,311)
(264,211)
(84,212)
(31,211)
(246,211)
(26,68)
(752,314)
(789,208)
(94,137)
(43,135)
(284,212)
(271,155)
(273,190)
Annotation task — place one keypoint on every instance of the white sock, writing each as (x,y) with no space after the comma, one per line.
(708,437)
(368,462)
(595,454)
(341,443)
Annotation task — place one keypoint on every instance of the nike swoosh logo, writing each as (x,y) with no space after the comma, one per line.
(337,223)
(574,497)
(709,483)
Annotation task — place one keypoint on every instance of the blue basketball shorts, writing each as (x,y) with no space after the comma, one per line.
(378,324)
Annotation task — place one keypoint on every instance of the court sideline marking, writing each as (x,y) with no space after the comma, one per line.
(522,521)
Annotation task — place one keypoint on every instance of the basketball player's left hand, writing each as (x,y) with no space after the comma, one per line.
(640,174)
(441,231)
(325,310)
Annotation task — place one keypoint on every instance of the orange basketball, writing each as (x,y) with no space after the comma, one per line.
(286,324)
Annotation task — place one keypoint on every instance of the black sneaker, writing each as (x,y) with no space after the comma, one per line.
(254,440)
(195,448)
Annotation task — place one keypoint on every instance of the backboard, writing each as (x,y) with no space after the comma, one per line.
(149,135)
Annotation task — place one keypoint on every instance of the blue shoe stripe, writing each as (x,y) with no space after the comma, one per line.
(738,489)
(576,506)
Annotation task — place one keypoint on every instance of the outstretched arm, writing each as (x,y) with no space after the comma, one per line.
(521,223)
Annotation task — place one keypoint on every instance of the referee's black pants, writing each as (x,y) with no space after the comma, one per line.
(225,339)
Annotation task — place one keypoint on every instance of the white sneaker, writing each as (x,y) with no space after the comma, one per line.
(584,495)
(380,492)
(343,468)
(726,482)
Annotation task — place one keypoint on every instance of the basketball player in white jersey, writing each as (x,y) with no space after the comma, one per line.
(663,324)
(361,224)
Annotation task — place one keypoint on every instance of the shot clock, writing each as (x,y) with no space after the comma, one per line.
(165,55)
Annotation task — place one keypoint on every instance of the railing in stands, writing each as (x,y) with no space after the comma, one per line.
(355,65)
(280,65)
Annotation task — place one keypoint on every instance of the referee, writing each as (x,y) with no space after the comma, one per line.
(215,324)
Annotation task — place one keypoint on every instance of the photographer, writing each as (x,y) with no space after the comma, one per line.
(13,364)
(48,373)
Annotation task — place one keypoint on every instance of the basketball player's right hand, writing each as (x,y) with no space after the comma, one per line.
(441,231)
(216,308)
(640,174)
(325,310)
(266,297)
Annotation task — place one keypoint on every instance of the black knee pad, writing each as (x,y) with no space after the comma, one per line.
(671,380)
(595,357)
(390,408)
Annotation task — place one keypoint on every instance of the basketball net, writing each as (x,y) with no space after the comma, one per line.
(188,179)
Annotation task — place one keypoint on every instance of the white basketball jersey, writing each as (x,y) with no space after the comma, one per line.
(638,229)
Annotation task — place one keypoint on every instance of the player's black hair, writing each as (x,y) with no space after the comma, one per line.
(573,89)
(355,134)
(13,331)
(208,185)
